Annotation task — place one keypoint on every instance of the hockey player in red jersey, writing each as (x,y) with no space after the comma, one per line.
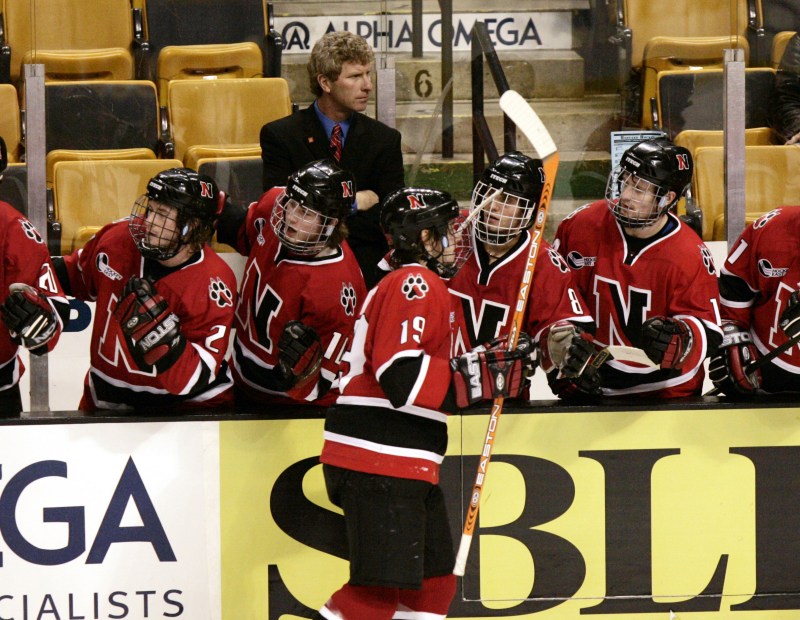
(387,435)
(164,301)
(485,289)
(34,309)
(648,278)
(759,285)
(300,290)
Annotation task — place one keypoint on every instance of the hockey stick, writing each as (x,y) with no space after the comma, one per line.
(473,214)
(622,353)
(523,116)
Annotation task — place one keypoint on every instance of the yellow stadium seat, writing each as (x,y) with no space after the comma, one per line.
(10,127)
(681,54)
(779,43)
(89,194)
(234,60)
(75,39)
(223,117)
(771,180)
(692,139)
(58,155)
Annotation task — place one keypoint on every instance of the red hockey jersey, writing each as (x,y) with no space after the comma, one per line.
(26,260)
(404,320)
(670,275)
(323,292)
(201,293)
(484,295)
(760,273)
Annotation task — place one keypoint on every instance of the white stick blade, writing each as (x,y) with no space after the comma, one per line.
(461,556)
(528,122)
(622,353)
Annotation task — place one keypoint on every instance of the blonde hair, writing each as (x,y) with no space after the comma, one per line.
(331,52)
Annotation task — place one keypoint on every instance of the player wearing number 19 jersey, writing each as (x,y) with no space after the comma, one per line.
(300,290)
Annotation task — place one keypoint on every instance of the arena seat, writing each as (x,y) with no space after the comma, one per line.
(233,60)
(200,23)
(14,187)
(86,195)
(10,127)
(693,139)
(219,118)
(779,43)
(685,54)
(74,39)
(771,180)
(101,120)
(694,99)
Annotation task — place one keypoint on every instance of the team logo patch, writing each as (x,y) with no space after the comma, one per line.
(219,293)
(708,260)
(101,262)
(348,299)
(415,287)
(764,219)
(556,259)
(259,226)
(766,269)
(30,231)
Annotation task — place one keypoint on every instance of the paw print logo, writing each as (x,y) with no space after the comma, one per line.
(219,293)
(556,259)
(708,260)
(415,287)
(348,299)
(30,231)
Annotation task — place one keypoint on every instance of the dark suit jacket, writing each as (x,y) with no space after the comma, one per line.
(371,152)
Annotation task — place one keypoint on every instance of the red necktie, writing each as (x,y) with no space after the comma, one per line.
(336,142)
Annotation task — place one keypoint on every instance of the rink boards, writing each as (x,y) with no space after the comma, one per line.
(615,513)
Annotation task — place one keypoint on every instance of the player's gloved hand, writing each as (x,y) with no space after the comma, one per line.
(571,360)
(790,318)
(486,375)
(667,341)
(299,356)
(524,343)
(153,331)
(727,368)
(29,316)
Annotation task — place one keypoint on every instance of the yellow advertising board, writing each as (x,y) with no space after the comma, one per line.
(685,514)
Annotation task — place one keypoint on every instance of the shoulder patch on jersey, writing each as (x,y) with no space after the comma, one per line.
(415,287)
(348,298)
(219,293)
(764,219)
(101,262)
(259,226)
(766,269)
(556,259)
(30,232)
(708,259)
(577,261)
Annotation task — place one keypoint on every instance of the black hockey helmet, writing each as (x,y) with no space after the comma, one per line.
(656,167)
(520,180)
(317,198)
(406,212)
(197,202)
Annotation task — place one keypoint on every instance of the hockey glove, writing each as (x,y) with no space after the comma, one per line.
(299,356)
(571,360)
(153,331)
(486,375)
(30,317)
(727,368)
(790,319)
(667,341)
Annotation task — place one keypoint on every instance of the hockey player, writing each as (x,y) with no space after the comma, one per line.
(300,291)
(34,309)
(164,301)
(648,278)
(486,288)
(387,435)
(760,307)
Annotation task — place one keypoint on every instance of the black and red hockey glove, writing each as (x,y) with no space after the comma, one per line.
(571,360)
(29,316)
(667,341)
(727,368)
(299,356)
(152,330)
(790,318)
(486,375)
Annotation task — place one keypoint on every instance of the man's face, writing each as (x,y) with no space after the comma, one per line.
(350,92)
(303,225)
(637,197)
(162,225)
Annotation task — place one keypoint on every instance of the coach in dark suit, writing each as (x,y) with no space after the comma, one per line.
(334,126)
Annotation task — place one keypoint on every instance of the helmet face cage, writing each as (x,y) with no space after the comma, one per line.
(506,215)
(156,229)
(301,229)
(644,202)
